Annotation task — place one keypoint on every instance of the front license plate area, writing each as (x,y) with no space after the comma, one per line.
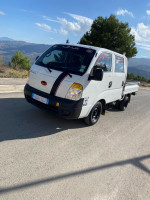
(40,99)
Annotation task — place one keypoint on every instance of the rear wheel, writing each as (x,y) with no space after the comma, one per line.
(94,115)
(122,105)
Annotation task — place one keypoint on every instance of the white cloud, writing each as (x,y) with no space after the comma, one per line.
(63,31)
(141,32)
(148,12)
(72,26)
(143,46)
(81,19)
(44,27)
(123,12)
(2,13)
(136,34)
(142,36)
(49,19)
(79,26)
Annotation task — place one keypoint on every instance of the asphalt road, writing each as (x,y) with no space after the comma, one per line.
(44,157)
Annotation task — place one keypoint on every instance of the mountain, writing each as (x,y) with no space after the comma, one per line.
(5,39)
(31,50)
(139,72)
(139,66)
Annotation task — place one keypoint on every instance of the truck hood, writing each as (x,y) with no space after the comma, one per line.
(39,73)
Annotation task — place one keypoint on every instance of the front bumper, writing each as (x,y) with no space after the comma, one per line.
(68,109)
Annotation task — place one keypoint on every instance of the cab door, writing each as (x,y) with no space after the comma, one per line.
(104,87)
(119,77)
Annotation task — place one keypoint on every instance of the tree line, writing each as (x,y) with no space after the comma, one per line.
(132,77)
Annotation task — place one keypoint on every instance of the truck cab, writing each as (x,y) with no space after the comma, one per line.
(77,81)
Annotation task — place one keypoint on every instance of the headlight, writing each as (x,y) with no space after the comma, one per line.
(75,92)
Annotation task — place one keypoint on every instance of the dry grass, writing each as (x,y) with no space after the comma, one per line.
(6,72)
(18,73)
(143,84)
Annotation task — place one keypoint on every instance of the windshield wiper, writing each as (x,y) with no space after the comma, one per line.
(65,70)
(49,69)
(45,65)
(68,74)
(40,63)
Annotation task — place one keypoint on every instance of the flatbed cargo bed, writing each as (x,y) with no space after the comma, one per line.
(131,88)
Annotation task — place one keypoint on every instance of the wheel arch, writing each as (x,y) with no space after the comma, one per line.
(103,102)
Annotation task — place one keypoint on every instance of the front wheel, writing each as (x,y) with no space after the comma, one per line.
(94,115)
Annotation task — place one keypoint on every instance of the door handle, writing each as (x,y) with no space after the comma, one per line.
(110,84)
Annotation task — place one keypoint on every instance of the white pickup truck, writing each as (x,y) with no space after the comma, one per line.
(79,81)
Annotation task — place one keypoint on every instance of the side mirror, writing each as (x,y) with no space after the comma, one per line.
(37,58)
(97,75)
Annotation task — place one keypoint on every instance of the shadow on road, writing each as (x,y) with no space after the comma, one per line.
(135,162)
(21,120)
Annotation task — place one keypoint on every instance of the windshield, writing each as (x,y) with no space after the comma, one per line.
(72,59)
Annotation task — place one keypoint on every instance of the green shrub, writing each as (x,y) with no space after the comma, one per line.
(19,61)
(137,78)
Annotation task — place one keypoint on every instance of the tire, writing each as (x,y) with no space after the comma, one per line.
(124,103)
(117,104)
(94,115)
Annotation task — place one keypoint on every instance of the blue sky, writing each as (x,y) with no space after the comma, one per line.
(54,21)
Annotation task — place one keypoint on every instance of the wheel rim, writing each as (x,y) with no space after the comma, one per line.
(95,114)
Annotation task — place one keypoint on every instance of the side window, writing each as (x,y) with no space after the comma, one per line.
(104,62)
(119,64)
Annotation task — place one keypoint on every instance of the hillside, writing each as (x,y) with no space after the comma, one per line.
(5,39)
(31,50)
(139,61)
(139,66)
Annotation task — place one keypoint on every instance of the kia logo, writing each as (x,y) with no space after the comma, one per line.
(44,83)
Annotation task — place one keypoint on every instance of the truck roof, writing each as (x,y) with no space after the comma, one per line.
(93,47)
